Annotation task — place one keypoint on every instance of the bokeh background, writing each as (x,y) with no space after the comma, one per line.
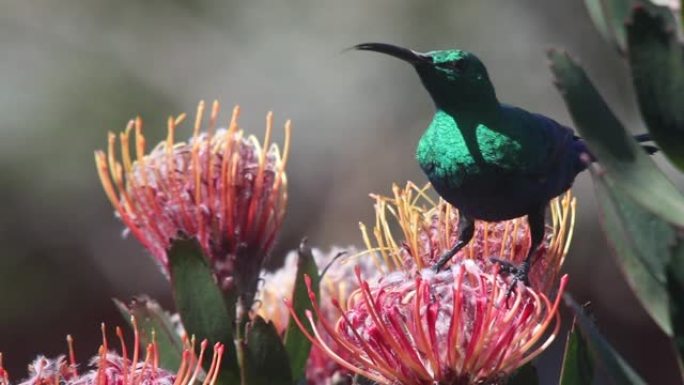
(74,69)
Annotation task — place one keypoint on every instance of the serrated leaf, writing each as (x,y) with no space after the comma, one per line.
(621,157)
(615,365)
(297,345)
(578,365)
(151,318)
(526,375)
(657,64)
(205,311)
(265,358)
(641,242)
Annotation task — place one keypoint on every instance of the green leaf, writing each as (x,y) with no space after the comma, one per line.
(297,345)
(615,365)
(629,167)
(265,358)
(578,364)
(205,311)
(657,64)
(641,242)
(526,375)
(152,319)
(606,17)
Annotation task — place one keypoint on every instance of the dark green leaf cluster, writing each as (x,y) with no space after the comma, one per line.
(642,212)
(255,352)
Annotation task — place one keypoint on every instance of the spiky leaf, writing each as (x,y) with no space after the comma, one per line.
(578,364)
(641,209)
(152,319)
(265,358)
(604,353)
(657,64)
(205,311)
(641,243)
(629,167)
(297,345)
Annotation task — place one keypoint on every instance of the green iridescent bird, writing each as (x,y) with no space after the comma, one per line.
(490,160)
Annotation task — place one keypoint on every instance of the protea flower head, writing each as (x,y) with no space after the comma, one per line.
(336,284)
(451,328)
(429,227)
(224,189)
(461,326)
(110,368)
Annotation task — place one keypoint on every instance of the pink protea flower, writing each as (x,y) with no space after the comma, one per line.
(337,284)
(462,326)
(452,328)
(221,188)
(429,227)
(109,368)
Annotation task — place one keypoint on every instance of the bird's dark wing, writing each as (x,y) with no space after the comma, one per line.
(546,144)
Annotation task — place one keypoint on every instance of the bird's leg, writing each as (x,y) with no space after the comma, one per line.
(467,226)
(535,220)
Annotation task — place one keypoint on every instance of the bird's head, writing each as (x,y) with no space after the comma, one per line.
(456,80)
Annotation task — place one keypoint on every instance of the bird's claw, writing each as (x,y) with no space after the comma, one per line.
(518,272)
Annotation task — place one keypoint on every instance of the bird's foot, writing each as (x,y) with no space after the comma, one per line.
(518,272)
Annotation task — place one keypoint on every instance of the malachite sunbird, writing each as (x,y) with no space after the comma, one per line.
(490,160)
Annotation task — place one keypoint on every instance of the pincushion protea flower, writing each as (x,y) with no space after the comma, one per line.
(221,188)
(459,327)
(429,228)
(336,284)
(110,368)
(450,328)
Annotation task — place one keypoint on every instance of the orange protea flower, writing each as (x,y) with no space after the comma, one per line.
(429,227)
(110,368)
(450,328)
(221,188)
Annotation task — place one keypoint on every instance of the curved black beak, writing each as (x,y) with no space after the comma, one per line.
(404,54)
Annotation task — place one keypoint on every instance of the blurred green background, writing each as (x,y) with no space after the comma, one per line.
(74,69)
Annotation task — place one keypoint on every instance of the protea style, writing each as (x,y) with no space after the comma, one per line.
(460,326)
(109,368)
(337,283)
(430,226)
(225,190)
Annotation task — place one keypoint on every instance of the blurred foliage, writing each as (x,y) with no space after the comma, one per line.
(642,211)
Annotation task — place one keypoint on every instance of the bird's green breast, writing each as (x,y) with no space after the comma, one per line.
(449,153)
